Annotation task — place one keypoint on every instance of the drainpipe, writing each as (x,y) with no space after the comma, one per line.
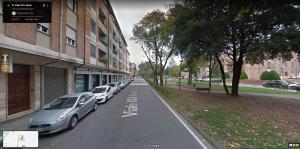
(75,68)
(61,28)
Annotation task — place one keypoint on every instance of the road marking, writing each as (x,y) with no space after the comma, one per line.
(138,84)
(131,106)
(180,120)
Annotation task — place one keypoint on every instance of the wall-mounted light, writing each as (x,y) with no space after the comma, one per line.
(6,63)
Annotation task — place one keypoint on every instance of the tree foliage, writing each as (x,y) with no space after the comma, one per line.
(152,33)
(238,30)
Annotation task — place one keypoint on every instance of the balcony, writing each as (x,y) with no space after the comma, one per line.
(102,61)
(115,50)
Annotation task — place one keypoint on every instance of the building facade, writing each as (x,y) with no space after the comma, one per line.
(133,69)
(81,48)
(286,69)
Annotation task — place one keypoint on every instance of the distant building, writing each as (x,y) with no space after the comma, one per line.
(286,69)
(133,69)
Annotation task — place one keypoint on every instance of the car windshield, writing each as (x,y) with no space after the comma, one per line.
(112,84)
(99,90)
(62,103)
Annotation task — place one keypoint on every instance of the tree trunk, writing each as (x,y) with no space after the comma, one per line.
(209,73)
(190,75)
(161,79)
(161,72)
(237,68)
(156,65)
(222,74)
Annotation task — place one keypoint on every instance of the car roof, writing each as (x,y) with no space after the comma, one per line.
(74,94)
(102,86)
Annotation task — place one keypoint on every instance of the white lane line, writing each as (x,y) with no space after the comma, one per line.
(181,121)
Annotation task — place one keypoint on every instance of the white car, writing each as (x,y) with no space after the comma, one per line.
(294,85)
(123,84)
(103,93)
(114,87)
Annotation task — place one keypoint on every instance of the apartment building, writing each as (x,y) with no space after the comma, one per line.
(133,69)
(286,69)
(105,60)
(82,47)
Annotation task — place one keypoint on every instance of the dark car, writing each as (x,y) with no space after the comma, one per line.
(276,84)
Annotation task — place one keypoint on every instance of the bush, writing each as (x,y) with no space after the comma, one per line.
(270,75)
(244,76)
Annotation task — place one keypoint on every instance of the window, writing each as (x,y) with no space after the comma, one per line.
(102,37)
(102,56)
(1,11)
(292,64)
(286,73)
(93,4)
(114,62)
(115,36)
(93,50)
(268,65)
(84,98)
(71,42)
(102,16)
(273,65)
(71,36)
(93,26)
(72,5)
(115,50)
(43,27)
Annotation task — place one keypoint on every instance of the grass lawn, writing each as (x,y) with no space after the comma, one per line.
(238,122)
(219,87)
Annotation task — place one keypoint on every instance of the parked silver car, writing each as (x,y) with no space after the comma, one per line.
(62,113)
(115,87)
(123,84)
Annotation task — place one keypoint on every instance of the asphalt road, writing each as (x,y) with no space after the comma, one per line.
(136,118)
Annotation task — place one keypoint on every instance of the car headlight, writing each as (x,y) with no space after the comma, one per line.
(60,118)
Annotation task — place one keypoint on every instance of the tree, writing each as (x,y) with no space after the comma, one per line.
(241,30)
(145,70)
(174,71)
(270,75)
(195,36)
(152,33)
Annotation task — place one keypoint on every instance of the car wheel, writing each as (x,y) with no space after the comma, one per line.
(95,107)
(73,122)
(293,88)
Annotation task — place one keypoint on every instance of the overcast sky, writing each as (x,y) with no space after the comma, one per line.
(130,12)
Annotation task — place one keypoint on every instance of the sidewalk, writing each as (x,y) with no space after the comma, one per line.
(20,123)
(191,89)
